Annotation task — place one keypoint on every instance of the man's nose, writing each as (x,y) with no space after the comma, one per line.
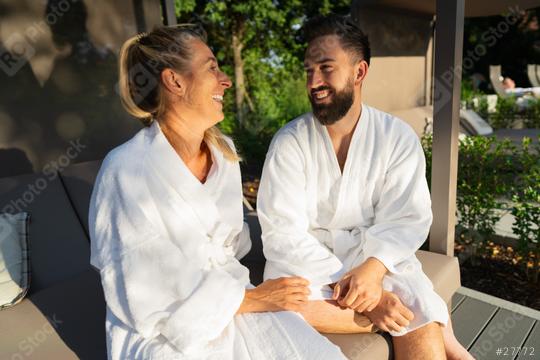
(314,80)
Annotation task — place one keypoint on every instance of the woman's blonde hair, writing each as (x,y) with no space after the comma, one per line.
(142,59)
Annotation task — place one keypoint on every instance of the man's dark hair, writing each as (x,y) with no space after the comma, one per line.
(351,37)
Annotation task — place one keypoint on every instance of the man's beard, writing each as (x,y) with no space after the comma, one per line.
(341,102)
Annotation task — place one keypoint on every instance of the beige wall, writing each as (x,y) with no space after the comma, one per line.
(399,76)
(395,83)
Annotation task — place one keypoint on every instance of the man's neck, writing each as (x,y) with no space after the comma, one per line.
(346,125)
(341,132)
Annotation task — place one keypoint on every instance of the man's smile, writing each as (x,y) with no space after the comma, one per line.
(321,95)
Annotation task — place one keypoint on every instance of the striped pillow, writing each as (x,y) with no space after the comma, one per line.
(14,261)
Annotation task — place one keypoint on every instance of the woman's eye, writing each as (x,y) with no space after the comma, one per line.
(326,68)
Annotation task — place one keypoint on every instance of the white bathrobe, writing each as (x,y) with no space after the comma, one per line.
(319,223)
(167,247)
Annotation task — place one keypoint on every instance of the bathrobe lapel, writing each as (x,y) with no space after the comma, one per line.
(179,181)
(352,165)
(345,242)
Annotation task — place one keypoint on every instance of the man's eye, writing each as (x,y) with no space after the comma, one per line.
(326,68)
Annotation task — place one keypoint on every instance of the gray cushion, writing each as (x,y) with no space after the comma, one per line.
(25,333)
(79,181)
(14,263)
(254,260)
(57,243)
(443,271)
(65,321)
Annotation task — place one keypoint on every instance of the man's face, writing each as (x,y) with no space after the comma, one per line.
(330,79)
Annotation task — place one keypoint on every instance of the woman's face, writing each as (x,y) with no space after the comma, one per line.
(205,87)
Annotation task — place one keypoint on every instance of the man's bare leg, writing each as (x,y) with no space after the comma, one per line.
(425,343)
(454,350)
(328,317)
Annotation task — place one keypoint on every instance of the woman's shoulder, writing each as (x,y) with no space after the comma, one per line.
(126,158)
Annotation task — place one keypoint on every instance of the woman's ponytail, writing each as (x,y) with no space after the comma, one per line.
(124,84)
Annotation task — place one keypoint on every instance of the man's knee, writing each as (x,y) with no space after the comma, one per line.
(425,342)
(427,333)
(432,328)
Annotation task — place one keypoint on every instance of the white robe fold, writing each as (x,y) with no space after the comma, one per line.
(319,223)
(167,247)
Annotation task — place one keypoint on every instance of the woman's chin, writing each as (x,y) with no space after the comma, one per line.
(219,118)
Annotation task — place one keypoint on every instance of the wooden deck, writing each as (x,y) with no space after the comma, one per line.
(492,328)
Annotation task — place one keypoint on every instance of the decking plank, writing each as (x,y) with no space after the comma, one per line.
(507,331)
(532,343)
(470,318)
(457,299)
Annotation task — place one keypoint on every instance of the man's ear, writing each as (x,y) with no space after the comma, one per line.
(361,70)
(173,82)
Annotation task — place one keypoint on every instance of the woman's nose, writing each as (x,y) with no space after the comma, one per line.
(225,81)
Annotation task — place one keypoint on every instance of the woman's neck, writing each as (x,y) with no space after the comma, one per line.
(185,140)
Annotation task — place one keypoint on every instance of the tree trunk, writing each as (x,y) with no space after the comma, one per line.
(239,80)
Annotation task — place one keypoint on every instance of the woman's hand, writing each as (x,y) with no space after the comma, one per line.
(361,288)
(282,294)
(390,314)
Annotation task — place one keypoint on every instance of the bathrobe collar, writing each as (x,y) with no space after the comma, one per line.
(172,170)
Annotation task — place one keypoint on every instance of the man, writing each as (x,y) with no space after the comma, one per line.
(343,202)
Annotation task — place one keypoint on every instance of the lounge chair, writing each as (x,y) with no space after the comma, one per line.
(470,123)
(63,315)
(520,93)
(533,73)
(495,76)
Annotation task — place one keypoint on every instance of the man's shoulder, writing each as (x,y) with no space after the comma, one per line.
(390,126)
(294,131)
(298,126)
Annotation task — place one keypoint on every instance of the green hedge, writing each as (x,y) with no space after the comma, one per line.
(507,112)
(495,176)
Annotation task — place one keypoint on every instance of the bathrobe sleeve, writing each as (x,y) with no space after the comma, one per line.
(403,211)
(289,248)
(242,242)
(149,282)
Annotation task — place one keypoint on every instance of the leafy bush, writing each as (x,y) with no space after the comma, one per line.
(482,107)
(532,114)
(495,175)
(276,105)
(482,171)
(505,113)
(526,208)
(469,93)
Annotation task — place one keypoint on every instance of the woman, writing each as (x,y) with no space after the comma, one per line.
(166,222)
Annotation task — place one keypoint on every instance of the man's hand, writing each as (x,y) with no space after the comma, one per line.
(361,288)
(390,314)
